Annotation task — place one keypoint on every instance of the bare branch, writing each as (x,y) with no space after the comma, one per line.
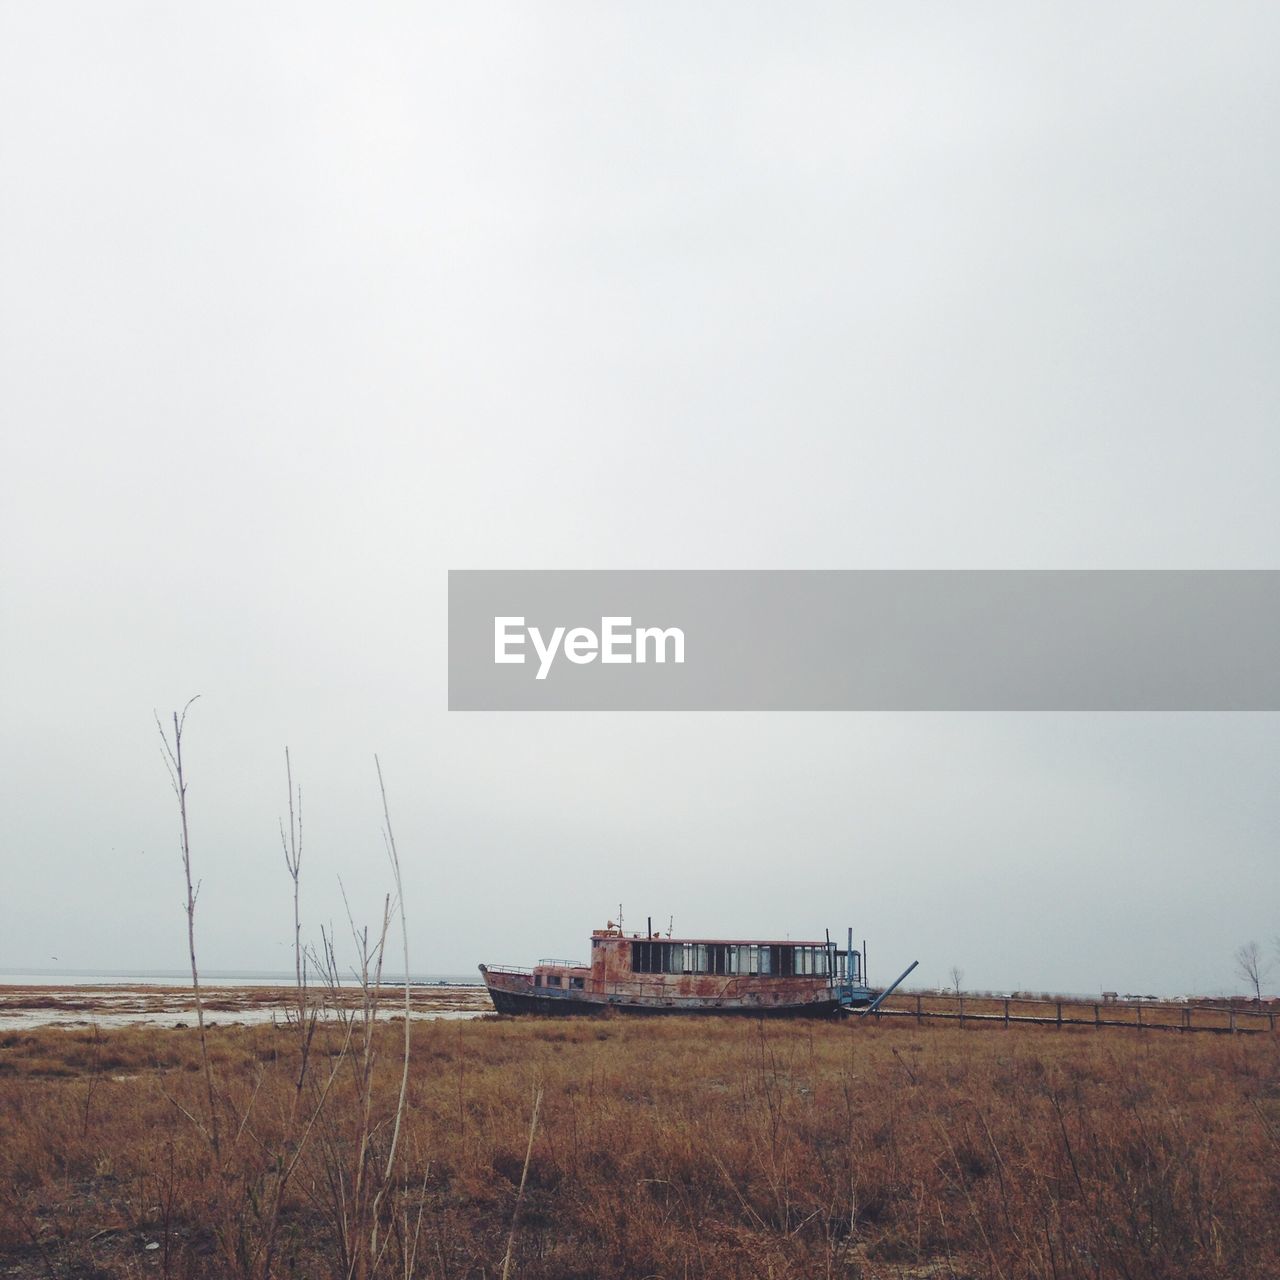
(404,935)
(173,752)
(1252,968)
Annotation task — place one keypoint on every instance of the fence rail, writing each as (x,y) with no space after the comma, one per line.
(1135,1016)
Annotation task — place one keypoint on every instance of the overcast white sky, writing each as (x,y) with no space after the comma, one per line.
(301,306)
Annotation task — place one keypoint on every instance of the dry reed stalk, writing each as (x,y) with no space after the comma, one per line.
(173,761)
(524,1176)
(394,857)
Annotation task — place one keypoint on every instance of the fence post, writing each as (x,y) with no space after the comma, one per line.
(1006,1011)
(962,1011)
(1097,1016)
(919,1010)
(1232,1021)
(1139,1008)
(1059,1015)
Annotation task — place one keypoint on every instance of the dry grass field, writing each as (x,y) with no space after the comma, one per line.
(662,1149)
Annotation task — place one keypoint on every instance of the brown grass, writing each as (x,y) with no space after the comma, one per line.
(677,1148)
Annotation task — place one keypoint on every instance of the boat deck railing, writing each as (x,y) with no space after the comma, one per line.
(506,968)
(565,964)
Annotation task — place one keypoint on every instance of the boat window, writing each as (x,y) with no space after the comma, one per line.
(537,979)
(576,983)
(674,957)
(654,956)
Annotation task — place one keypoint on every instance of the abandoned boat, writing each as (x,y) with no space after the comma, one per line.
(656,974)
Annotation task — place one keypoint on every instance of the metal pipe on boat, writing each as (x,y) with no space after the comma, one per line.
(888,991)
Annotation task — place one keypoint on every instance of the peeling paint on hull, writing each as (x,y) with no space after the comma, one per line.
(515,1002)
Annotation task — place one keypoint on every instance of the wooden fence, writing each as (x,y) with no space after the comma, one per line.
(1143,1015)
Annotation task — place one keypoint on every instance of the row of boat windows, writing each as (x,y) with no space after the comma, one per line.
(556,980)
(728,958)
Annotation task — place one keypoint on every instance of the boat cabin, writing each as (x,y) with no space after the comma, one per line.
(623,963)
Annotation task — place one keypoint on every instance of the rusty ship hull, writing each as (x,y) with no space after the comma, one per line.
(648,975)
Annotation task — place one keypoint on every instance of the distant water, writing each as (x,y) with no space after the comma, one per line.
(18,977)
